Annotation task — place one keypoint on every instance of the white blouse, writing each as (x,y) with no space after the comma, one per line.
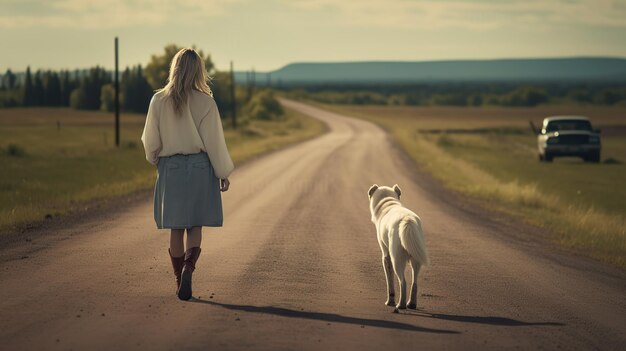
(199,128)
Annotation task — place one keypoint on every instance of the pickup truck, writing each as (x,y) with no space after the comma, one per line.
(568,136)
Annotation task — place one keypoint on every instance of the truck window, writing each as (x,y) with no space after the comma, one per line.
(565,124)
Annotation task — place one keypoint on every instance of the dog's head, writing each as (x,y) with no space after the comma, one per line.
(378,193)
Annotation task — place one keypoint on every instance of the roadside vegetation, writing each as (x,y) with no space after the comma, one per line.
(57,142)
(92,88)
(490,154)
(501,93)
(59,160)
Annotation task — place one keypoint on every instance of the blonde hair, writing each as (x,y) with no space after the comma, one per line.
(187,72)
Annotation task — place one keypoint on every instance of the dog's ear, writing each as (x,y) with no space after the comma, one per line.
(396,188)
(372,190)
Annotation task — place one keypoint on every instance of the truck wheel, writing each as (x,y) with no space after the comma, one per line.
(548,157)
(593,157)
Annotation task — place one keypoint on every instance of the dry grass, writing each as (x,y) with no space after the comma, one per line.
(69,158)
(272,135)
(503,169)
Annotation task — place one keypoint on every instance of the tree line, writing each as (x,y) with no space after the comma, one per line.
(90,89)
(93,89)
(464,93)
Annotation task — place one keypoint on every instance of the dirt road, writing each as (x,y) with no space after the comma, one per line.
(297,267)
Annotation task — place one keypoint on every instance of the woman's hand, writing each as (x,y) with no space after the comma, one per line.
(224,184)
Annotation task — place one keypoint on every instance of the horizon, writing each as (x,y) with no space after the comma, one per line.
(66,34)
(34,69)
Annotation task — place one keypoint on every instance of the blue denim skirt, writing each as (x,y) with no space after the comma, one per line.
(187,193)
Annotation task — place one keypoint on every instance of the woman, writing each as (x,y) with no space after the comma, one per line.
(183,137)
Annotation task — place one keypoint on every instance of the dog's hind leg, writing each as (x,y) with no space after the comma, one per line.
(416,271)
(389,276)
(399,264)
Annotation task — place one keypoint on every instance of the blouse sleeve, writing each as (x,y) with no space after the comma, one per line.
(212,135)
(151,137)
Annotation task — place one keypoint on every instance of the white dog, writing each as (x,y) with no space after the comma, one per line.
(400,238)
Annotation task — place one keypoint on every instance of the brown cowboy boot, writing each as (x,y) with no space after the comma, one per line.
(191,257)
(177,264)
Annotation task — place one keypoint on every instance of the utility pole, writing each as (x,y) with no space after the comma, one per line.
(233,98)
(117,97)
(252,86)
(248,86)
(253,79)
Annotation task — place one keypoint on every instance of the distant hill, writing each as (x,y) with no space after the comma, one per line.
(539,70)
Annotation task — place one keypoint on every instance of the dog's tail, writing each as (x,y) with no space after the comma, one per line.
(412,239)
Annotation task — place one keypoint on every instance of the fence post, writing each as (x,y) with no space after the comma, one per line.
(233,98)
(117,97)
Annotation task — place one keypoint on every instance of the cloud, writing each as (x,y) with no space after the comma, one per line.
(104,14)
(474,15)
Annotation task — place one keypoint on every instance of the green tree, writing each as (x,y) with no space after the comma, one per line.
(608,97)
(77,99)
(158,68)
(135,90)
(67,85)
(87,95)
(28,94)
(264,106)
(475,100)
(581,95)
(221,87)
(38,89)
(9,79)
(52,89)
(107,97)
(526,96)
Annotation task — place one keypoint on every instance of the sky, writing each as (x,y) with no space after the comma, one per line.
(268,34)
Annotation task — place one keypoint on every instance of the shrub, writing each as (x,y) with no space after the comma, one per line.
(77,99)
(264,106)
(15,150)
(525,96)
(445,141)
(107,98)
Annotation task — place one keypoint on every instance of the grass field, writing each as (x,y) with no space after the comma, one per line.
(493,157)
(56,160)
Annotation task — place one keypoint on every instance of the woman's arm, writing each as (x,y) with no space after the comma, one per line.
(212,135)
(151,138)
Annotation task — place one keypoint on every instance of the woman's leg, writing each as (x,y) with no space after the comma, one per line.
(177,248)
(194,237)
(177,253)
